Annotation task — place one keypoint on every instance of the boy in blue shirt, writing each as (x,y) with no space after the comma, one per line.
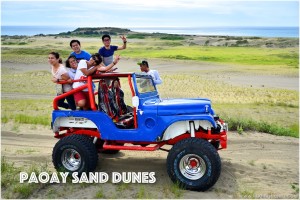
(107,51)
(77,52)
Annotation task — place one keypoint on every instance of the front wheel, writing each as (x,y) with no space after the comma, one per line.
(75,153)
(194,164)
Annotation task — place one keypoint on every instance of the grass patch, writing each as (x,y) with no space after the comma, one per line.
(250,56)
(248,194)
(26,119)
(252,125)
(137,36)
(27,111)
(295,187)
(11,186)
(28,83)
(99,194)
(176,190)
(172,37)
(30,50)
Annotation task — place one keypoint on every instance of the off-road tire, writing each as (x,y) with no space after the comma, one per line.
(202,155)
(216,144)
(75,145)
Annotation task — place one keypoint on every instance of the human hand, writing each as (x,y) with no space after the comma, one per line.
(123,37)
(54,80)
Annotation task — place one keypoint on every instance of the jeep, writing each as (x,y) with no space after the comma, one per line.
(189,127)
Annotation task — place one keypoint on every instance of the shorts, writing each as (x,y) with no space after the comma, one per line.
(82,95)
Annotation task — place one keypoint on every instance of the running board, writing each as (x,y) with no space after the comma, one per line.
(138,148)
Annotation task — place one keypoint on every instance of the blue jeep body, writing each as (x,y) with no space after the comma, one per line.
(154,115)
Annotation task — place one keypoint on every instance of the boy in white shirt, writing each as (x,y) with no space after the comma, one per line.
(84,69)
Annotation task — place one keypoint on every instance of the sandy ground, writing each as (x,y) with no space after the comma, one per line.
(206,70)
(255,165)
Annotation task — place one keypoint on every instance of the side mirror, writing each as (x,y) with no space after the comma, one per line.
(135,101)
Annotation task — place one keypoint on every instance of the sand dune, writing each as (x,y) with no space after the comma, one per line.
(206,70)
(255,165)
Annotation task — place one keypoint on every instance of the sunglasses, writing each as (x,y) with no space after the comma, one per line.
(106,40)
(96,59)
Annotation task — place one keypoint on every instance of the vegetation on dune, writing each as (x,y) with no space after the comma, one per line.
(233,55)
(270,110)
(168,46)
(10,184)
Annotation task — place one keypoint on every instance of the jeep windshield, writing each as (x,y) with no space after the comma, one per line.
(145,84)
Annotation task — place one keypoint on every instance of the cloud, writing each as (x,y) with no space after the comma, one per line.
(150,13)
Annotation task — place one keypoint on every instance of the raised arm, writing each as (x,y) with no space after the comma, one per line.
(103,68)
(124,43)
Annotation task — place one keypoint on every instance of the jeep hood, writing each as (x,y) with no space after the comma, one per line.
(184,106)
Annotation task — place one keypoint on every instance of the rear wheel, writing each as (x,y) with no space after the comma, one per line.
(194,163)
(75,153)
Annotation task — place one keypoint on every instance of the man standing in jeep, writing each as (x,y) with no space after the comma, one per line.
(154,73)
(107,51)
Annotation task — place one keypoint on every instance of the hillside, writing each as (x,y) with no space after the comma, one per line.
(190,40)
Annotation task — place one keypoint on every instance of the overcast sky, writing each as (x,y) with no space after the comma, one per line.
(150,13)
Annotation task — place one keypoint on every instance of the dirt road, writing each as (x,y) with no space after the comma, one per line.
(255,165)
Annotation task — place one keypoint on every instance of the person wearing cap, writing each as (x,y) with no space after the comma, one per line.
(107,51)
(154,73)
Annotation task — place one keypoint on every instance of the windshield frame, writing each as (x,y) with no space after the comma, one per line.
(151,92)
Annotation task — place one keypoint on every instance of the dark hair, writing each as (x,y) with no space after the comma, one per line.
(97,58)
(104,36)
(68,62)
(144,62)
(72,41)
(56,55)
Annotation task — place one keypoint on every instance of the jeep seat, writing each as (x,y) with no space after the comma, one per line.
(124,113)
(105,99)
(108,103)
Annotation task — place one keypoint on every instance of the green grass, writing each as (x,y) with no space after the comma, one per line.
(287,57)
(27,111)
(99,194)
(247,194)
(28,83)
(161,46)
(172,37)
(241,125)
(11,188)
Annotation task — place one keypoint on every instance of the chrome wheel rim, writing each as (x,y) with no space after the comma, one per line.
(192,166)
(71,159)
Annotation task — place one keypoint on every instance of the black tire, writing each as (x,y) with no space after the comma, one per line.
(202,166)
(75,153)
(216,144)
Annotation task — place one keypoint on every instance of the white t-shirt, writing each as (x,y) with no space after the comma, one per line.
(79,74)
(156,78)
(60,71)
